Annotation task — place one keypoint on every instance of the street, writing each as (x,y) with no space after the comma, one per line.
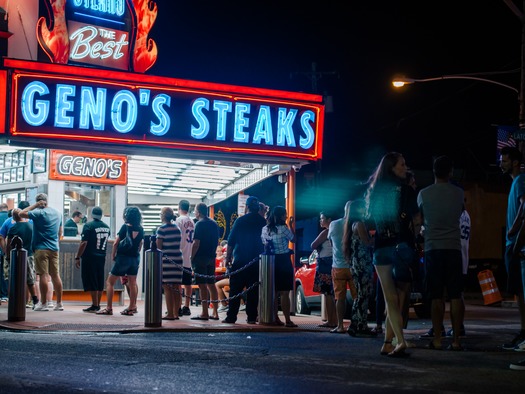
(256,362)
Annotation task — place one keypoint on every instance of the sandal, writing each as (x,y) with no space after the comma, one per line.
(127,312)
(105,311)
(377,330)
(384,352)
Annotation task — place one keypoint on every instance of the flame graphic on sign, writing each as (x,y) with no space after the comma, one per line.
(54,37)
(54,40)
(145,53)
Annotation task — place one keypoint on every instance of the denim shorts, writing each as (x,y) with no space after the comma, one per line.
(400,257)
(125,265)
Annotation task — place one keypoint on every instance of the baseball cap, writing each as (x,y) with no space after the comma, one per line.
(96,213)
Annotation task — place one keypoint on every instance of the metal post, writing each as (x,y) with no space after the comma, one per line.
(16,309)
(153,300)
(267,289)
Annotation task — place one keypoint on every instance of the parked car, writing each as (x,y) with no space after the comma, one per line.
(306,299)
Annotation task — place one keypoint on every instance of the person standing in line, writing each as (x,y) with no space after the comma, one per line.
(275,237)
(91,257)
(441,205)
(23,228)
(6,226)
(168,241)
(126,262)
(3,280)
(341,270)
(464,229)
(244,247)
(323,271)
(47,231)
(357,249)
(391,204)
(510,163)
(71,225)
(187,228)
(205,241)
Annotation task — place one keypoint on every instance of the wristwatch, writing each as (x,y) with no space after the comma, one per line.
(77,258)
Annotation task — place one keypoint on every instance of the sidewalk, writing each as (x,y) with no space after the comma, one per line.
(72,318)
(487,326)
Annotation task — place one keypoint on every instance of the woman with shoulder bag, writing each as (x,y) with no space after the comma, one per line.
(323,271)
(275,236)
(126,262)
(393,239)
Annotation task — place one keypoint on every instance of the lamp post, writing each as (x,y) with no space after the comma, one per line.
(399,82)
(402,81)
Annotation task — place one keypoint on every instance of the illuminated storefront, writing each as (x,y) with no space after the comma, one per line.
(155,138)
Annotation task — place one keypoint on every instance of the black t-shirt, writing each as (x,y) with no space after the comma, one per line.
(96,234)
(136,240)
(245,237)
(207,232)
(25,231)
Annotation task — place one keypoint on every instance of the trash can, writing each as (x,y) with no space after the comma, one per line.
(267,289)
(16,309)
(153,299)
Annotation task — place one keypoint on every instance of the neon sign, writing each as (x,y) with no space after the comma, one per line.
(109,7)
(163,112)
(84,167)
(109,33)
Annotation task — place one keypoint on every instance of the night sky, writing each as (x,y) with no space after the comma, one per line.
(359,47)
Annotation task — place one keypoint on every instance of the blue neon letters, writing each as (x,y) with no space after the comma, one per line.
(69,106)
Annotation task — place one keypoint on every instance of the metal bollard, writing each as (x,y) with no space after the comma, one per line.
(267,289)
(153,306)
(16,309)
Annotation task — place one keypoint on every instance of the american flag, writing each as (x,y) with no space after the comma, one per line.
(505,137)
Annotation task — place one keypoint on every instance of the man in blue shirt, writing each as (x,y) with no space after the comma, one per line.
(47,230)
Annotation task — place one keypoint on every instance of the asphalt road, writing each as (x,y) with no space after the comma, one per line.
(269,362)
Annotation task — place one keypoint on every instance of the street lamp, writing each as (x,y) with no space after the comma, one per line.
(402,81)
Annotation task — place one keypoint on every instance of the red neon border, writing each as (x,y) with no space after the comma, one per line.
(170,84)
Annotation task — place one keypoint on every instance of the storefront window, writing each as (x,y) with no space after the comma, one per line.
(82,198)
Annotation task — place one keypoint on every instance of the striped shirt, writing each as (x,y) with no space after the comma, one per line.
(172,256)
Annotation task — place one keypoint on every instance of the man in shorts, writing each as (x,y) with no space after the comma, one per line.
(24,230)
(187,228)
(441,205)
(205,243)
(341,272)
(47,230)
(92,252)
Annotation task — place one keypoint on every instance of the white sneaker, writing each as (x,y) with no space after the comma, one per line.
(520,347)
(50,304)
(223,308)
(41,308)
(58,307)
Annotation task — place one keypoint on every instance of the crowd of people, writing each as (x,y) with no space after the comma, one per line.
(378,234)
(402,220)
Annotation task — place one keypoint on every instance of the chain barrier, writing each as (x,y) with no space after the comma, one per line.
(216,277)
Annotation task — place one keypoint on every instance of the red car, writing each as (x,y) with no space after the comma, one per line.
(305,298)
